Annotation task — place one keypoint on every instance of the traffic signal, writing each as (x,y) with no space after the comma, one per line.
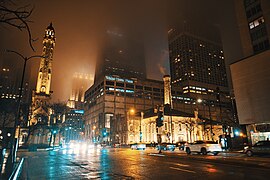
(159,120)
(104,132)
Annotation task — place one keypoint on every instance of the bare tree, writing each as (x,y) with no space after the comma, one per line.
(14,15)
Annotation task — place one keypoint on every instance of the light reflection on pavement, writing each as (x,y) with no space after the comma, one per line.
(124,163)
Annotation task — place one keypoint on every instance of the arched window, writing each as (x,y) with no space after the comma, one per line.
(43,89)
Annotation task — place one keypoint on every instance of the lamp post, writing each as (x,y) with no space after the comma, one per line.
(210,116)
(16,128)
(142,114)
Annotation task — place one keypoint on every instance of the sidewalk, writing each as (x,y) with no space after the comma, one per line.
(48,165)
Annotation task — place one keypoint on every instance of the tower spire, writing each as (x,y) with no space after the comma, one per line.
(45,68)
(42,94)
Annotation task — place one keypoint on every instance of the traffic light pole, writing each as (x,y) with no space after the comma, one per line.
(159,124)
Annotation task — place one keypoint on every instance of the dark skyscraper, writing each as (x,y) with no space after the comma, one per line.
(194,58)
(197,66)
(121,56)
(255,36)
(250,74)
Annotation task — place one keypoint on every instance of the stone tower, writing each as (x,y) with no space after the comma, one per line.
(42,94)
(167,90)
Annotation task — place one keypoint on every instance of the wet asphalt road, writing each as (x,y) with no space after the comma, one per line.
(124,163)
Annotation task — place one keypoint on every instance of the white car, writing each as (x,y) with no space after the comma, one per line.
(138,146)
(203,147)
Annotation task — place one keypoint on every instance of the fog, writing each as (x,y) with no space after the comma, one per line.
(80,27)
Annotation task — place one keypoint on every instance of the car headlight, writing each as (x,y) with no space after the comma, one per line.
(246,147)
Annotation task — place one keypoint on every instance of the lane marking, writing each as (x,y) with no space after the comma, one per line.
(179,164)
(185,170)
(156,154)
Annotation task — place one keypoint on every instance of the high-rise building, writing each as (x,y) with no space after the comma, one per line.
(197,65)
(121,56)
(9,83)
(42,94)
(251,73)
(9,95)
(121,60)
(74,125)
(80,83)
(107,105)
(194,58)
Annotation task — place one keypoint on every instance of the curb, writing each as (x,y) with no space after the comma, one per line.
(16,172)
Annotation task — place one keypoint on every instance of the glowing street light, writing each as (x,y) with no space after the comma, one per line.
(132,111)
(210,116)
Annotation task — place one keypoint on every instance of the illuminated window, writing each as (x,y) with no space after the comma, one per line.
(256,23)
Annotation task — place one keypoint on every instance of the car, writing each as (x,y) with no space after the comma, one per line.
(203,147)
(138,146)
(261,147)
(165,147)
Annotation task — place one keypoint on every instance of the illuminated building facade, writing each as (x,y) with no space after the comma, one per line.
(121,56)
(74,126)
(80,83)
(42,94)
(178,127)
(108,103)
(74,123)
(197,65)
(250,75)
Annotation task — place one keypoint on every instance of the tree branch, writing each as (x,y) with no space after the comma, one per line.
(18,18)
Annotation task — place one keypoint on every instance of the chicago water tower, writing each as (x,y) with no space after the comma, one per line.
(42,94)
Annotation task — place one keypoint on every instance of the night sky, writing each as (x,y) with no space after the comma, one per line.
(80,26)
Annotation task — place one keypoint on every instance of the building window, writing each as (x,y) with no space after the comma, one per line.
(147,88)
(120,84)
(256,22)
(139,87)
(111,83)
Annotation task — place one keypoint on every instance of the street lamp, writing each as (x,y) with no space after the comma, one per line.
(14,142)
(210,116)
(142,114)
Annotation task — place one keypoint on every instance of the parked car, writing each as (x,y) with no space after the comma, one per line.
(261,147)
(165,147)
(203,147)
(138,146)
